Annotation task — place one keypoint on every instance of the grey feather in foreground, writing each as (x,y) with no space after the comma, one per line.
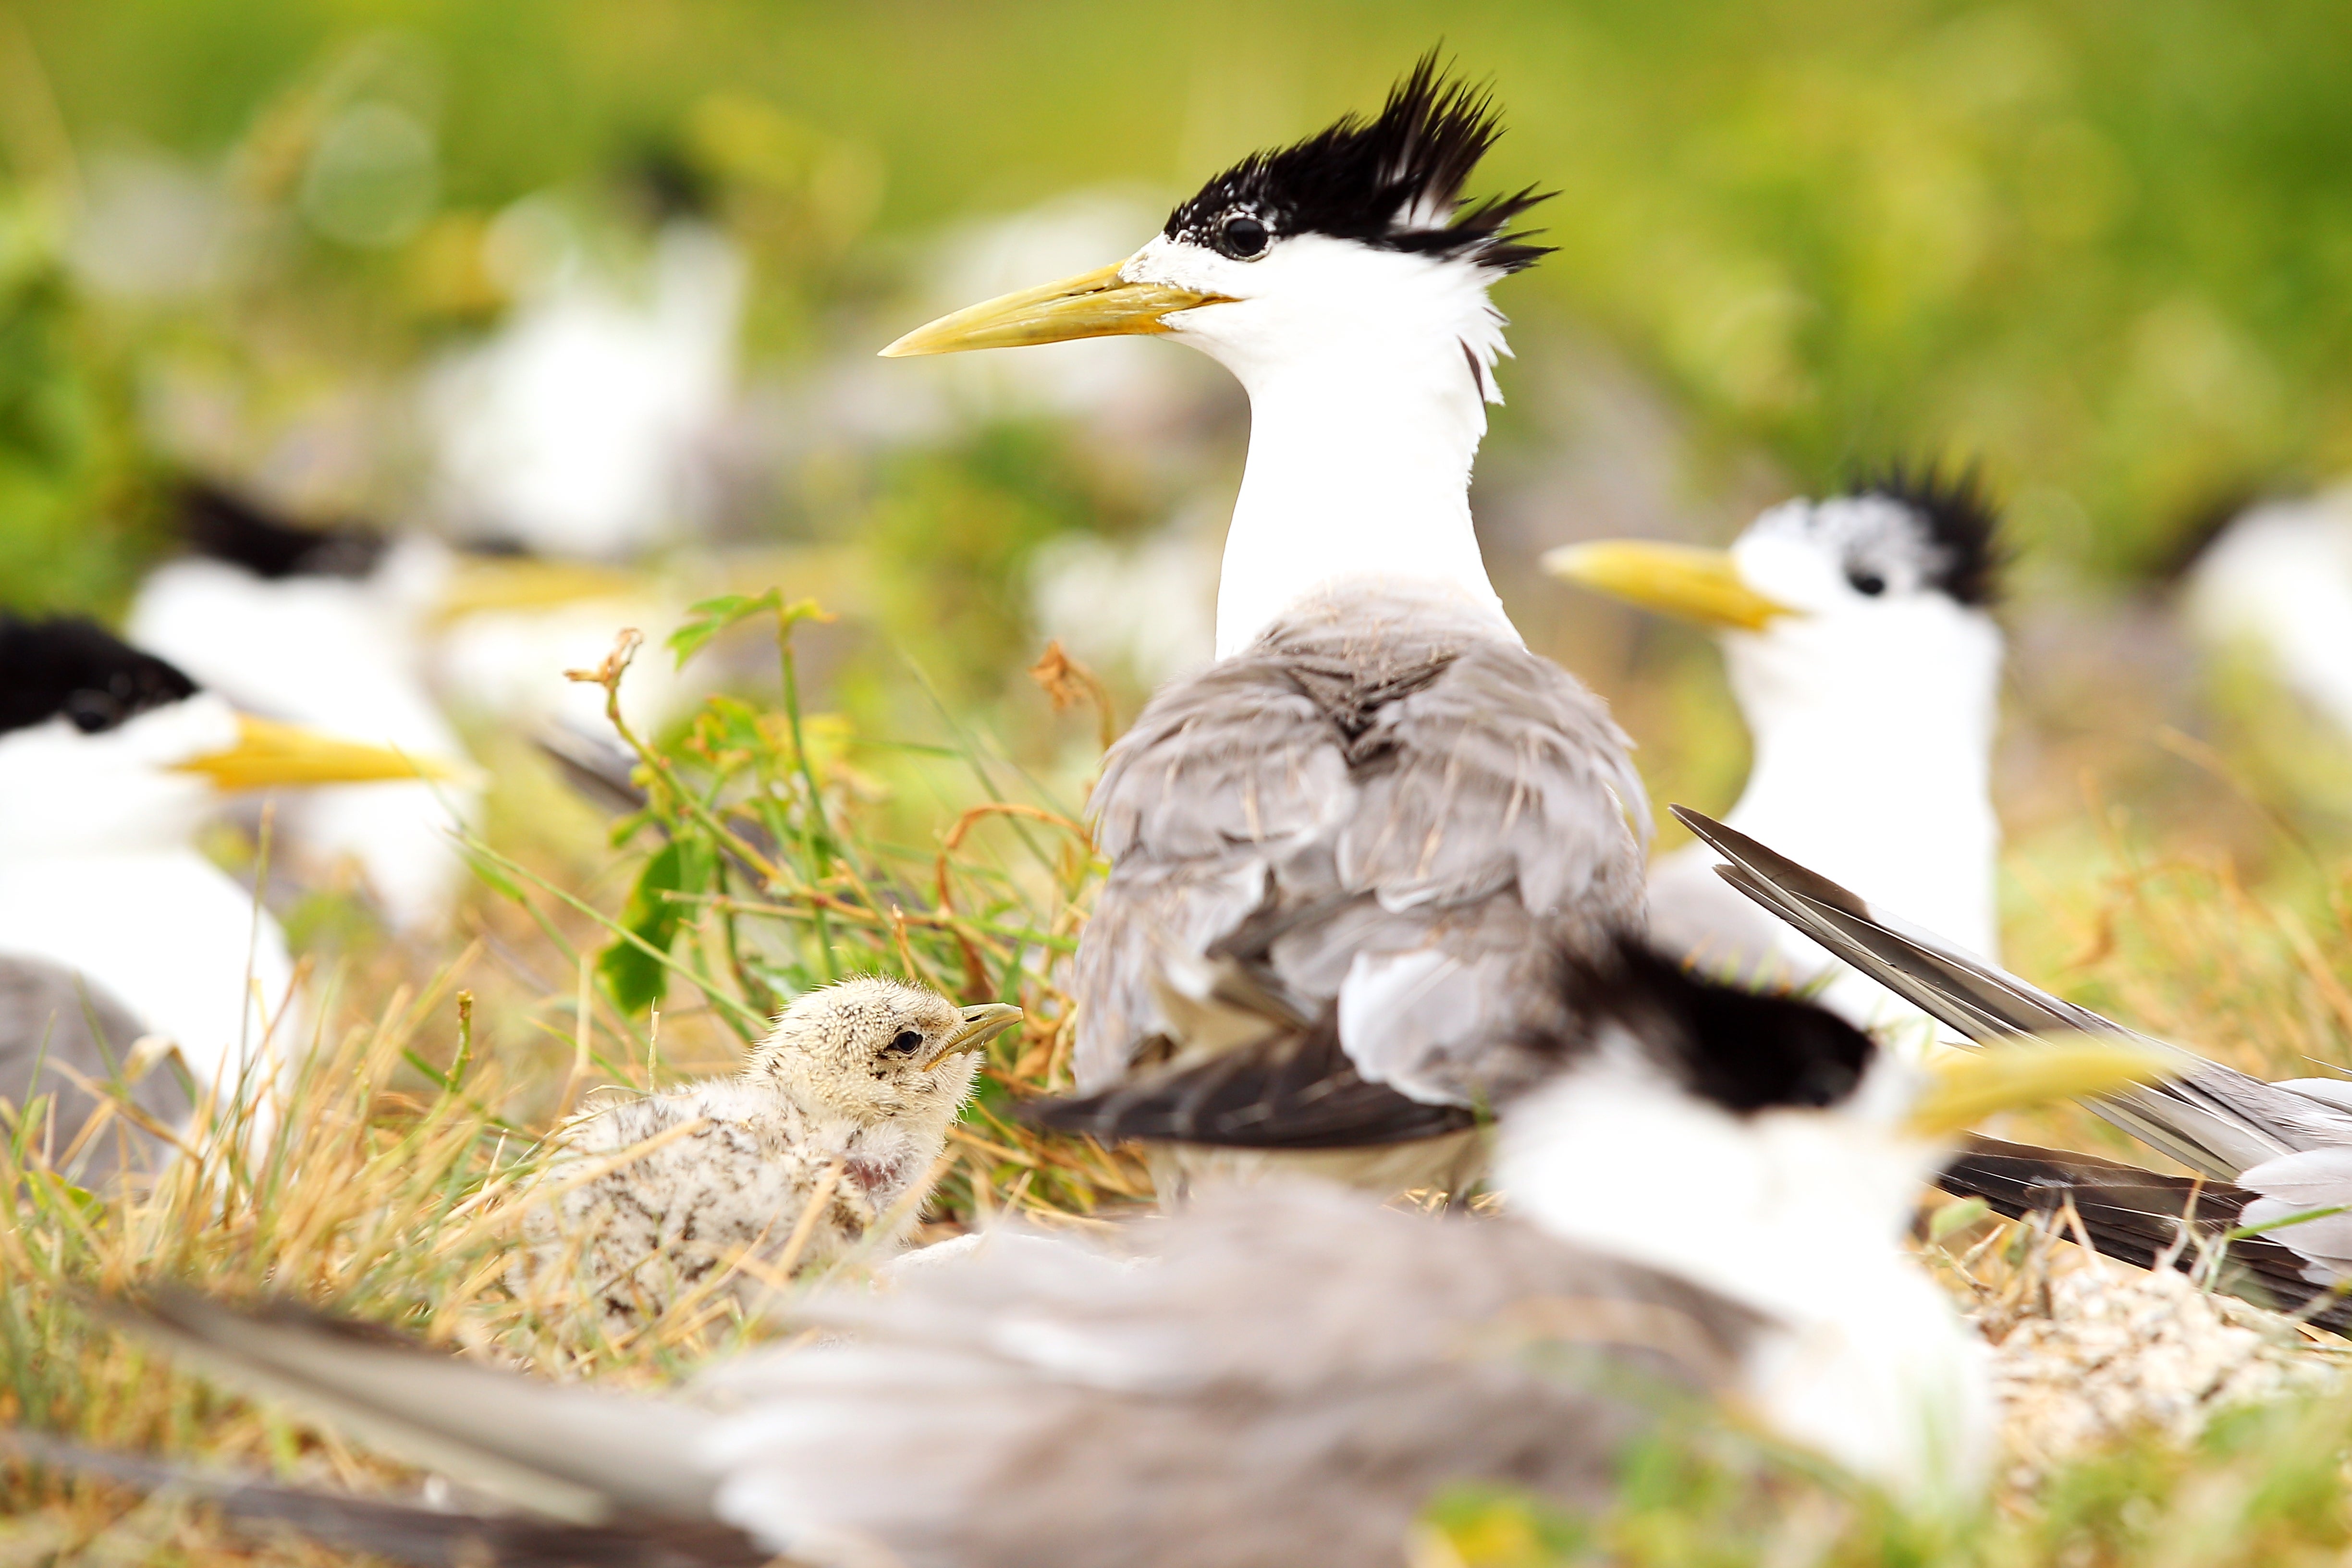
(1386,811)
(844,1108)
(60,1037)
(2288,1145)
(1293,1378)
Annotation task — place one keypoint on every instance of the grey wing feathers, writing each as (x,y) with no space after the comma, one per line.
(1377,778)
(60,1036)
(407,1533)
(1297,1373)
(1290,1381)
(2211,1118)
(571,1453)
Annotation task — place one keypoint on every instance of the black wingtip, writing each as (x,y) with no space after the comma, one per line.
(1298,1092)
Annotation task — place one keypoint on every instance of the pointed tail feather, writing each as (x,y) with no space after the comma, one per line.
(2211,1118)
(571,1453)
(2146,1219)
(408,1532)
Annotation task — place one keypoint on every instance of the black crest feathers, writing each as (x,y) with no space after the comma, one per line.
(76,669)
(1963,525)
(223,527)
(1394,182)
(1742,1050)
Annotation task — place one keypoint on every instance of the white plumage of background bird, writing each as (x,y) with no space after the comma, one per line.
(1861,648)
(2278,578)
(320,627)
(111,760)
(828,1140)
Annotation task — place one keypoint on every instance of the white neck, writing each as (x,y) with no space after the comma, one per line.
(1355,470)
(1796,1214)
(1874,756)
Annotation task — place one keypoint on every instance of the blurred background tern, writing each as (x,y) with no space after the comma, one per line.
(110,760)
(1861,645)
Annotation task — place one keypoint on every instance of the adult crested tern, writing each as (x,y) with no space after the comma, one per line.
(843,1109)
(1710,1187)
(109,759)
(2273,1160)
(322,627)
(1861,645)
(1376,802)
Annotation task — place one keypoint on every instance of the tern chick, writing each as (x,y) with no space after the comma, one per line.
(828,1139)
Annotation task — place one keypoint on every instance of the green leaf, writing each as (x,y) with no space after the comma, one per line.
(715,616)
(633,975)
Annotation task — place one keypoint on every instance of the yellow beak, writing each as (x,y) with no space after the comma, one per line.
(980,1025)
(497,583)
(1967,1086)
(1703,586)
(1098,304)
(267,753)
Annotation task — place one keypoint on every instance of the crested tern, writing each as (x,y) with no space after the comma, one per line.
(1297,1372)
(1861,648)
(110,760)
(845,1104)
(2274,1161)
(1376,800)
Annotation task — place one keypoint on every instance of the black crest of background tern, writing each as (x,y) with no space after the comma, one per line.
(1394,183)
(76,668)
(1961,525)
(221,526)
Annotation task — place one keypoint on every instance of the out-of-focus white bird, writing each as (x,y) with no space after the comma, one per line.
(846,1106)
(2279,578)
(1710,1189)
(579,430)
(321,626)
(1863,654)
(111,759)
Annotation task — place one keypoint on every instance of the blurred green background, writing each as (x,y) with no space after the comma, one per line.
(2105,247)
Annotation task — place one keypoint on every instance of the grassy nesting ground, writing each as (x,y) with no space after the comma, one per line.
(764,863)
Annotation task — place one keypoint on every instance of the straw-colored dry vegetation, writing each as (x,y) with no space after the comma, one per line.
(2104,253)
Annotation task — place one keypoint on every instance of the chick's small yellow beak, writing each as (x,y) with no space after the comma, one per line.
(1098,304)
(980,1025)
(1702,585)
(270,753)
(1967,1086)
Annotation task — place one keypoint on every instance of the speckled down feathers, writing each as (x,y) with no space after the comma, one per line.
(1383,778)
(821,1106)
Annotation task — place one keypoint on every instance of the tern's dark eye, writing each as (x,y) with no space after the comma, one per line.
(1869,583)
(907,1043)
(1242,238)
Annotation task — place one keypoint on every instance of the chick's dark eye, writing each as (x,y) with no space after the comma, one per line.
(1867,583)
(907,1043)
(1242,238)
